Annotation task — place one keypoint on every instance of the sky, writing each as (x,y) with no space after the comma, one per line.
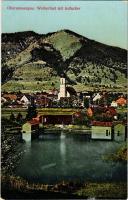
(104,21)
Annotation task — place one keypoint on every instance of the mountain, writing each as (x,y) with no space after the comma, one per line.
(33,62)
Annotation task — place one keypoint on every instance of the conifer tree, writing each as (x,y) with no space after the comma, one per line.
(31,112)
(19,117)
(12,117)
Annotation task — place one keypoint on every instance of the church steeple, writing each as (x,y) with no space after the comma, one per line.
(62,92)
(62,81)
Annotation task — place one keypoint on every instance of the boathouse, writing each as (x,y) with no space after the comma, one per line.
(57,119)
(102,130)
(30,130)
(120,132)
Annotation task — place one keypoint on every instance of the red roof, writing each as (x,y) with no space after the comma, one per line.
(33,122)
(100,109)
(37,118)
(111,110)
(98,123)
(121,101)
(10,96)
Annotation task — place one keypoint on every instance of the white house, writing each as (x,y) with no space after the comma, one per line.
(119,132)
(25,100)
(114,104)
(29,130)
(3,100)
(102,130)
(97,97)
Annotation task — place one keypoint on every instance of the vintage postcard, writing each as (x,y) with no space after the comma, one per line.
(64,99)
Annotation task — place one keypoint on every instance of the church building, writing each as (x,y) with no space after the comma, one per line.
(63,91)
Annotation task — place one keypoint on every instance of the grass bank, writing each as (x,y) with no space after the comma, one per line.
(19,186)
(119,155)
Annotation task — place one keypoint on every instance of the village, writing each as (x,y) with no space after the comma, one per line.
(103,114)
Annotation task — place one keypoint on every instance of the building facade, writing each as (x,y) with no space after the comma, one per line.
(119,132)
(57,119)
(102,130)
(30,130)
(63,92)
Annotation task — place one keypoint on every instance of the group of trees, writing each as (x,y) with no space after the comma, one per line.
(18,118)
(81,118)
(6,73)
(97,69)
(31,113)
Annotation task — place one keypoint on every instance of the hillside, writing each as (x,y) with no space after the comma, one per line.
(33,62)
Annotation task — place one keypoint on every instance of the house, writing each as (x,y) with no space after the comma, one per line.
(111,111)
(114,104)
(30,126)
(121,101)
(3,100)
(97,97)
(104,112)
(57,119)
(42,101)
(54,91)
(119,132)
(30,130)
(25,100)
(102,130)
(11,97)
(51,96)
(38,118)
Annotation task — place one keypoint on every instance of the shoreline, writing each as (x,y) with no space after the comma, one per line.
(86,131)
(21,188)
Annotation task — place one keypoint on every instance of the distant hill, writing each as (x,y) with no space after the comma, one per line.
(32,61)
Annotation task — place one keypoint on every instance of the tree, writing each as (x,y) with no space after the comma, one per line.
(81,96)
(12,117)
(31,112)
(19,117)
(81,118)
(86,102)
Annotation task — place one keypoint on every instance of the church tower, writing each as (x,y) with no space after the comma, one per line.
(62,92)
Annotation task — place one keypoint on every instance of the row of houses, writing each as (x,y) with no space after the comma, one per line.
(109,99)
(50,99)
(24,100)
(116,130)
(102,111)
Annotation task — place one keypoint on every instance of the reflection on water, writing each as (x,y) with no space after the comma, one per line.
(62,135)
(26,136)
(48,166)
(67,157)
(63,148)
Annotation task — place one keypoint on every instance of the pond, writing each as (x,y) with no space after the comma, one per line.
(55,157)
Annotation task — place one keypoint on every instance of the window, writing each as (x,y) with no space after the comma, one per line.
(106,132)
(118,133)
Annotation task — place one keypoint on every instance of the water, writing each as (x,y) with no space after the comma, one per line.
(68,157)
